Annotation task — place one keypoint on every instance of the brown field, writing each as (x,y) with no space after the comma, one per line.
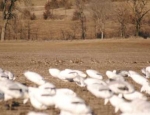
(101,55)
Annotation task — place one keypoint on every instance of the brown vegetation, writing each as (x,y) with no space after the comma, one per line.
(96,19)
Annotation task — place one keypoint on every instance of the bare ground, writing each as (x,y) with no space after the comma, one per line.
(101,55)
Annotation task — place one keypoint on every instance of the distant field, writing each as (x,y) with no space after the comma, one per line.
(101,55)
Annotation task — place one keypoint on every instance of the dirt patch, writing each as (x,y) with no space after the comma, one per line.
(101,55)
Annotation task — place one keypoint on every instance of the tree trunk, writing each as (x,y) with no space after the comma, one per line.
(4,30)
(102,35)
(137,31)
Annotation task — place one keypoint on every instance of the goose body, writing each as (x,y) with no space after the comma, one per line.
(135,95)
(122,73)
(100,91)
(40,99)
(94,74)
(36,113)
(10,75)
(13,90)
(115,102)
(66,74)
(89,81)
(112,75)
(73,105)
(65,91)
(49,87)
(135,106)
(121,87)
(34,77)
(139,79)
(146,71)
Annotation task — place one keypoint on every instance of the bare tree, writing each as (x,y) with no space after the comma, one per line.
(122,17)
(100,10)
(7,14)
(82,17)
(139,10)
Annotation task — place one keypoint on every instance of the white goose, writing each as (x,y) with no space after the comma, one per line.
(136,113)
(65,91)
(5,74)
(146,71)
(69,75)
(65,75)
(139,79)
(113,75)
(89,81)
(40,99)
(134,95)
(135,106)
(74,105)
(13,90)
(62,112)
(122,87)
(1,70)
(36,113)
(123,73)
(100,91)
(115,102)
(80,73)
(49,87)
(34,77)
(94,74)
(10,75)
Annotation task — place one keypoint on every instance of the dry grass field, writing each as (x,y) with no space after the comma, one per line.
(101,55)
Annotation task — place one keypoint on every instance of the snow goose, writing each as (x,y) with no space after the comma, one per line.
(65,91)
(121,72)
(135,106)
(7,74)
(69,75)
(71,104)
(10,75)
(34,77)
(115,101)
(13,89)
(1,70)
(136,113)
(94,74)
(121,87)
(80,73)
(39,98)
(89,81)
(36,113)
(65,75)
(134,95)
(100,91)
(146,71)
(49,87)
(112,75)
(62,112)
(79,81)
(3,76)
(139,79)
(146,88)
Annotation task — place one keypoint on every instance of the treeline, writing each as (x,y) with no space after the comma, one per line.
(89,19)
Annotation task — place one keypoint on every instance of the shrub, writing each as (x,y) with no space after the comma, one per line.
(26,14)
(47,14)
(1,5)
(33,16)
(76,15)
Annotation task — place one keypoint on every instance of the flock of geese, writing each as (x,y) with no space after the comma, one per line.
(115,90)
